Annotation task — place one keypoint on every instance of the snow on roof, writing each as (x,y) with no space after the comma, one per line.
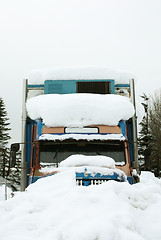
(88,137)
(78,110)
(79,73)
(78,160)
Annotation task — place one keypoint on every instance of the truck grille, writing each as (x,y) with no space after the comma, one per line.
(80,182)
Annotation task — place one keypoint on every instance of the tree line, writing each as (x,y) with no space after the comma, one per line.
(149,141)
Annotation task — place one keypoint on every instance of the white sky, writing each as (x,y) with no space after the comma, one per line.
(37,34)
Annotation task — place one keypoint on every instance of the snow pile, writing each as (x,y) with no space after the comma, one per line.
(55,208)
(82,160)
(79,73)
(78,110)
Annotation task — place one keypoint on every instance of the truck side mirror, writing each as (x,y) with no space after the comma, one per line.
(14,148)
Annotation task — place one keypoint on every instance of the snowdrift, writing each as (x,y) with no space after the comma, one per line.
(55,208)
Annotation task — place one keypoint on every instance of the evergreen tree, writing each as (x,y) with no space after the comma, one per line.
(14,175)
(150,135)
(155,130)
(11,174)
(4,138)
(144,140)
(4,123)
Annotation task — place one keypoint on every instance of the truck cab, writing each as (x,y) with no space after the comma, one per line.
(47,146)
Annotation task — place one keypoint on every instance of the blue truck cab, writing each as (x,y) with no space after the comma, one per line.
(43,146)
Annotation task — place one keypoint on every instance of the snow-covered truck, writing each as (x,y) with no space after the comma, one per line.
(83,118)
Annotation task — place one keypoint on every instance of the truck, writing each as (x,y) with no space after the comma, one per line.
(52,145)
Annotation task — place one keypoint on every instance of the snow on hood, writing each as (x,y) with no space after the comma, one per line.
(92,170)
(78,110)
(55,208)
(79,73)
(82,163)
(82,160)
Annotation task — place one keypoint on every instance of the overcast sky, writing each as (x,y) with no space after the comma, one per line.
(35,34)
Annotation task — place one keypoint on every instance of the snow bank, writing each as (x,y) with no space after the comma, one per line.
(78,73)
(55,208)
(78,110)
(82,160)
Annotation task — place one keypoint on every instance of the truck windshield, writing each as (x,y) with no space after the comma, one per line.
(53,153)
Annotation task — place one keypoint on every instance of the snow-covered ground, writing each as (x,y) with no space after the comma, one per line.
(55,208)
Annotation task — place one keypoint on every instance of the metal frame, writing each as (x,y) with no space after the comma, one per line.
(134,121)
(23,146)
